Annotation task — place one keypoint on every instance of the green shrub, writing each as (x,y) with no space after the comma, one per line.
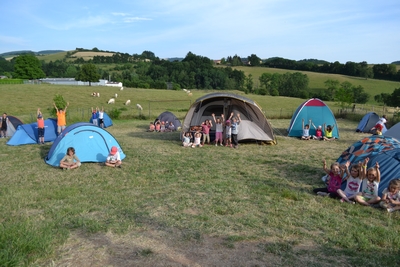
(114,113)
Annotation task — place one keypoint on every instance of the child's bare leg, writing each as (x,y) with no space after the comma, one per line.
(360,200)
(342,195)
(374,200)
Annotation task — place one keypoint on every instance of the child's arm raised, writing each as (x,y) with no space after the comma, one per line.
(378,173)
(325,168)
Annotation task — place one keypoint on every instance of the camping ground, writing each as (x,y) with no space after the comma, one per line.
(175,206)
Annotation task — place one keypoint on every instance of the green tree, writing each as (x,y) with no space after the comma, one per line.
(332,86)
(344,95)
(88,73)
(28,67)
(254,60)
(249,83)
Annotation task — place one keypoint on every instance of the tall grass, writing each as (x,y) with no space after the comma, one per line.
(258,197)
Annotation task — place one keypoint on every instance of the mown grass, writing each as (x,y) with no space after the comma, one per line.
(256,194)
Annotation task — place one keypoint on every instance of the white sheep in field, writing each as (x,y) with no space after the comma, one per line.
(190,94)
(122,88)
(139,106)
(93,94)
(184,90)
(128,102)
(116,95)
(98,94)
(111,101)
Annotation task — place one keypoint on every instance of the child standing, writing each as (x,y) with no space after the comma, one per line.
(306,130)
(391,196)
(70,160)
(101,116)
(40,124)
(94,116)
(219,129)
(61,121)
(228,133)
(318,132)
(206,127)
(3,129)
(187,139)
(369,190)
(335,174)
(235,129)
(354,179)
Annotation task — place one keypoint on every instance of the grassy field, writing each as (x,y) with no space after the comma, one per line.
(371,86)
(175,206)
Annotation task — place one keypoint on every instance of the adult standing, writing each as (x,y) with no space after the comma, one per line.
(3,129)
(61,120)
(40,124)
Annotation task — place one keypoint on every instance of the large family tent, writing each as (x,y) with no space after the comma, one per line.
(91,143)
(381,149)
(169,116)
(315,110)
(12,125)
(254,125)
(394,131)
(367,122)
(28,133)
(106,120)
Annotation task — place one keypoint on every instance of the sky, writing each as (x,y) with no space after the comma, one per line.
(331,30)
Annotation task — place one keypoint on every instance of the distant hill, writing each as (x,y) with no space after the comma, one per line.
(43,52)
(396,62)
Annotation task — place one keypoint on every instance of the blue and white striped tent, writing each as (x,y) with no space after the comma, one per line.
(91,143)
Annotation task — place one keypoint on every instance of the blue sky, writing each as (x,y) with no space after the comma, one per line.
(358,30)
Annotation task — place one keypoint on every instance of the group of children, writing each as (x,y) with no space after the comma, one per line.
(362,185)
(325,135)
(71,160)
(98,117)
(231,126)
(161,126)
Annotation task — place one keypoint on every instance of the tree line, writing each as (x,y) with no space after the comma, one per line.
(193,72)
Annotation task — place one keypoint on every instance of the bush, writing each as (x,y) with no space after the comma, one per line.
(114,113)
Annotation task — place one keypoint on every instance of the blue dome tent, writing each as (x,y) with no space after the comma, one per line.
(28,133)
(91,143)
(367,122)
(106,120)
(315,110)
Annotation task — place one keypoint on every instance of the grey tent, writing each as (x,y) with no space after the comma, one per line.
(254,125)
(394,131)
(167,116)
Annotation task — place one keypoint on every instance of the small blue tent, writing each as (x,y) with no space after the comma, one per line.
(367,122)
(91,143)
(315,110)
(28,133)
(106,120)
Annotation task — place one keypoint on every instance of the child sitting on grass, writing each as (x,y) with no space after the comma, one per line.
(335,174)
(369,191)
(391,196)
(306,131)
(70,160)
(354,179)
